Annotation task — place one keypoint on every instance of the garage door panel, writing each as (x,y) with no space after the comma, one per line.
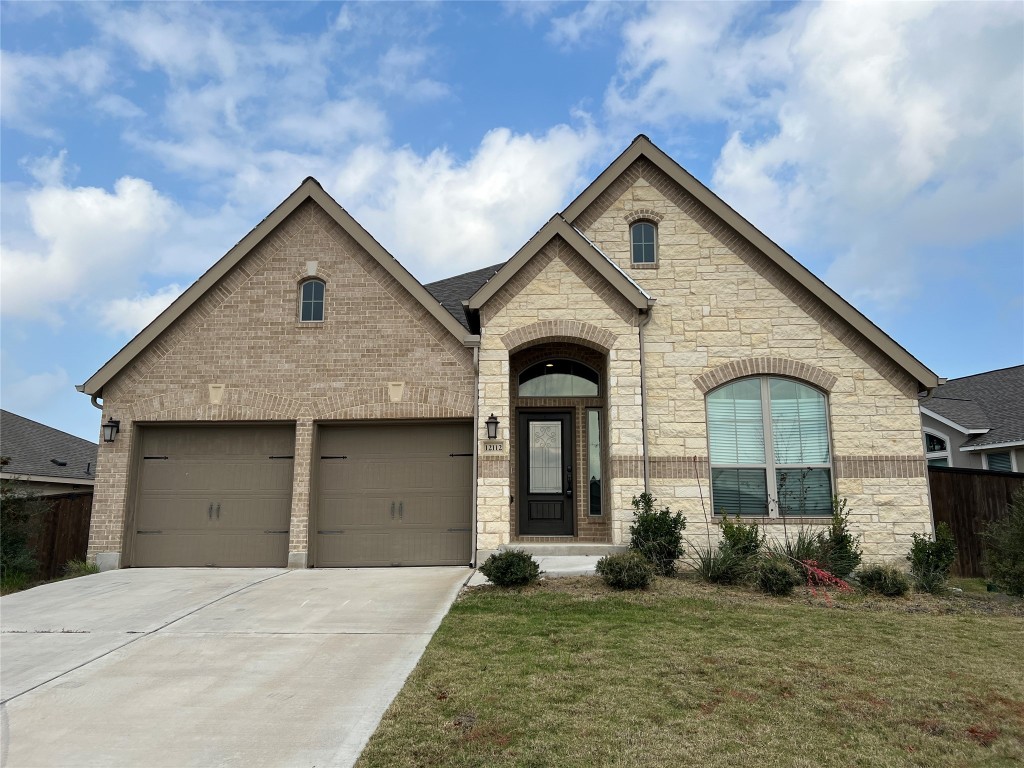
(215,495)
(411,466)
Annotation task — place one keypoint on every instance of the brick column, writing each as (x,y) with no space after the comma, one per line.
(298,536)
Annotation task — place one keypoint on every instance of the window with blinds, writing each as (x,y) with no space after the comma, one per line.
(769,447)
(999,462)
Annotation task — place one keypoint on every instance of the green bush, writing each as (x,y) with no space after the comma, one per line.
(21,513)
(1004,549)
(840,550)
(776,576)
(806,544)
(74,568)
(743,539)
(720,566)
(885,580)
(657,535)
(511,568)
(626,570)
(931,560)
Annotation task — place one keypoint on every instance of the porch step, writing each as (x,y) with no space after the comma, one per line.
(567,549)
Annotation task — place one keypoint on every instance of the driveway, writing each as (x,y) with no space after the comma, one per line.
(205,667)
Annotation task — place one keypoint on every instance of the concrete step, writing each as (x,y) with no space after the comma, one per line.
(568,549)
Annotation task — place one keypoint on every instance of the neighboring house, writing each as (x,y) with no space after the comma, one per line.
(46,460)
(977,422)
(308,402)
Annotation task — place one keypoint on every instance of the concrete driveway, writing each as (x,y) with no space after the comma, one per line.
(205,667)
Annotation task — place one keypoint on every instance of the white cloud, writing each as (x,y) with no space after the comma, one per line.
(128,316)
(31,83)
(573,29)
(36,390)
(85,243)
(856,128)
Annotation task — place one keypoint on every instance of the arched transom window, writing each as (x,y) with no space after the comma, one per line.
(936,449)
(311,301)
(769,445)
(558,378)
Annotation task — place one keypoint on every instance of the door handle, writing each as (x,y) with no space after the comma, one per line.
(209,511)
(401,509)
(218,510)
(568,480)
(392,510)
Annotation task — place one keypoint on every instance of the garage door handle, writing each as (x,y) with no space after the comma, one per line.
(392,510)
(401,509)
(218,510)
(279,531)
(147,533)
(209,511)
(326,533)
(459,530)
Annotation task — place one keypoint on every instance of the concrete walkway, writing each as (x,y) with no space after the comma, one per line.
(205,667)
(554,566)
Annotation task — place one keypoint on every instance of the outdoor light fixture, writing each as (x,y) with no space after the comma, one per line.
(492,427)
(110,430)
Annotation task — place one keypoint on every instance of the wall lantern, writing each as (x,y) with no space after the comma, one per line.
(492,427)
(110,429)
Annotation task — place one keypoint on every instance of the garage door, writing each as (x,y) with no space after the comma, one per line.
(214,495)
(394,495)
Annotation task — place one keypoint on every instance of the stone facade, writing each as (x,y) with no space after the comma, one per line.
(240,354)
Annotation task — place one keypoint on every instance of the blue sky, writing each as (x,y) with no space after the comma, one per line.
(882,145)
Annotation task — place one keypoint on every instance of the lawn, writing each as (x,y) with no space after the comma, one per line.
(569,673)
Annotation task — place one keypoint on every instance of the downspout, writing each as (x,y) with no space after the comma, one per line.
(476,446)
(95,404)
(645,318)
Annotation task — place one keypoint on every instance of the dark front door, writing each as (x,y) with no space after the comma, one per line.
(546,473)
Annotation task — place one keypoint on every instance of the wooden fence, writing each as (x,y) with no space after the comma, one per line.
(64,533)
(967,500)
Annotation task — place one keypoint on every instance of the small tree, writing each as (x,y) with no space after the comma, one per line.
(841,552)
(657,535)
(1004,548)
(931,560)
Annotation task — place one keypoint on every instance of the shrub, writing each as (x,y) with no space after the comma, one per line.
(21,513)
(74,568)
(885,580)
(807,544)
(626,570)
(657,535)
(743,539)
(776,576)
(511,568)
(720,566)
(931,560)
(1004,549)
(840,550)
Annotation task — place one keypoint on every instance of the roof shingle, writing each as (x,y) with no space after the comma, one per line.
(993,400)
(38,450)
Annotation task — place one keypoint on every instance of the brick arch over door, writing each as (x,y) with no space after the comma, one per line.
(759,366)
(569,331)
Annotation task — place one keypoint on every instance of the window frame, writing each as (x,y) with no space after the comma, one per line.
(312,302)
(929,455)
(551,362)
(770,467)
(1009,454)
(654,245)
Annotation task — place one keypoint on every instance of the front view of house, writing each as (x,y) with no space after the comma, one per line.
(307,402)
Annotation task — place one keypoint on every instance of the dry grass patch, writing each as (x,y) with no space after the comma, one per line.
(570,673)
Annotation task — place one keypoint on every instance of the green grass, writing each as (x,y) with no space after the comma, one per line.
(18,582)
(570,673)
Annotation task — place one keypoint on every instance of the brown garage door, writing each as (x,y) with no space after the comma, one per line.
(394,495)
(214,495)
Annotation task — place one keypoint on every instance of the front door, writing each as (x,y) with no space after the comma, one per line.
(546,504)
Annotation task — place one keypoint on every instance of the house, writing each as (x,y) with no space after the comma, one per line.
(45,460)
(308,402)
(976,422)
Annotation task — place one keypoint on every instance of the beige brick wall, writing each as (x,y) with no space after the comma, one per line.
(719,302)
(245,335)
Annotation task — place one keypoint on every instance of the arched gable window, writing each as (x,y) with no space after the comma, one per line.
(769,449)
(643,236)
(558,378)
(936,449)
(311,301)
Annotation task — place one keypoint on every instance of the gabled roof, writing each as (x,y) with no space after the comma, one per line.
(453,291)
(310,189)
(557,226)
(38,452)
(644,147)
(991,403)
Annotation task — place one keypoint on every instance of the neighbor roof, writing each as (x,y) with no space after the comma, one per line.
(37,452)
(992,401)
(310,189)
(644,147)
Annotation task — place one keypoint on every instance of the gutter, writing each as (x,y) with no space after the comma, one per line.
(644,320)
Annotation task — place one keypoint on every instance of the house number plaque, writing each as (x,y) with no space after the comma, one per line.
(494,446)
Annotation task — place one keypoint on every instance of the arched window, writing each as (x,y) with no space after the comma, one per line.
(936,449)
(311,301)
(644,238)
(558,378)
(769,449)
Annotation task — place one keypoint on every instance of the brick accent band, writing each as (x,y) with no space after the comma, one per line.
(880,466)
(491,466)
(560,330)
(690,467)
(759,366)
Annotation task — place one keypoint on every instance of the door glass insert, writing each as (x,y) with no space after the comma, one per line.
(594,460)
(545,457)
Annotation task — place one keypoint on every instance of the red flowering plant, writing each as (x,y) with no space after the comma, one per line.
(820,580)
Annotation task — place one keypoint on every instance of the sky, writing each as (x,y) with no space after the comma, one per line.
(882,145)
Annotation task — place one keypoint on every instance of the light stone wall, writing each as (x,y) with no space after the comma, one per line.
(719,302)
(244,334)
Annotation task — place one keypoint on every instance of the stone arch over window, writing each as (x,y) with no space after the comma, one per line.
(643,214)
(568,331)
(312,292)
(761,366)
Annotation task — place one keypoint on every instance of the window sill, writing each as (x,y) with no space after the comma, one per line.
(791,520)
(644,265)
(300,324)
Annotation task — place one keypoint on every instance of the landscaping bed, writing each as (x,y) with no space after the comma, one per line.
(569,672)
